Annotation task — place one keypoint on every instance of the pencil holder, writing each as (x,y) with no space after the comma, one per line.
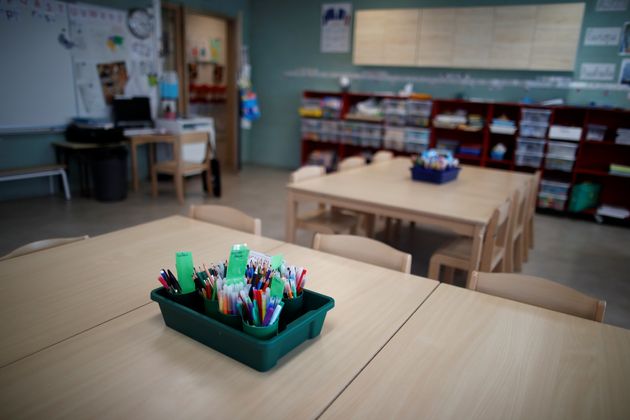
(211,308)
(263,333)
(292,308)
(190,300)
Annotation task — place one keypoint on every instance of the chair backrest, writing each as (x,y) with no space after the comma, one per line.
(521,205)
(496,234)
(307,172)
(226,216)
(539,292)
(351,163)
(382,156)
(194,147)
(363,249)
(533,198)
(41,245)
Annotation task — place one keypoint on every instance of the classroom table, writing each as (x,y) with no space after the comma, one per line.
(464,206)
(133,366)
(51,295)
(467,355)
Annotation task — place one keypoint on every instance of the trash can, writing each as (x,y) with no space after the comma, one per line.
(109,173)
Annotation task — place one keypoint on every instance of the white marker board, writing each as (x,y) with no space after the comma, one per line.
(36,82)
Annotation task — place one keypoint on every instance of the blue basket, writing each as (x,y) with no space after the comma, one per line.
(418,173)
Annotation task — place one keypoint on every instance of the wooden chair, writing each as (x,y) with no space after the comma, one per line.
(363,249)
(516,248)
(382,156)
(351,163)
(322,219)
(529,223)
(540,292)
(181,166)
(456,255)
(225,216)
(41,245)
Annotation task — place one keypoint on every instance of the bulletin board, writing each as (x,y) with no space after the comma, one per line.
(57,56)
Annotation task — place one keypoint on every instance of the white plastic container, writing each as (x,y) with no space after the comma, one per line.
(558,163)
(563,132)
(596,132)
(533,115)
(562,149)
(533,160)
(528,145)
(533,129)
(554,187)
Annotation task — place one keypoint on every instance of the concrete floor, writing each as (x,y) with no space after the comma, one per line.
(589,257)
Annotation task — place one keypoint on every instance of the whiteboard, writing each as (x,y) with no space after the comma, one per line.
(36,80)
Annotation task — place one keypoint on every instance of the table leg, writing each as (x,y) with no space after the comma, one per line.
(134,165)
(290,218)
(475,252)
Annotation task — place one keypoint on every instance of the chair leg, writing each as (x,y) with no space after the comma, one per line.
(508,266)
(449,274)
(434,269)
(66,187)
(154,185)
(370,223)
(530,234)
(179,188)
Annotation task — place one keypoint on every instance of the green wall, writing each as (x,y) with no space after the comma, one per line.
(285,35)
(31,149)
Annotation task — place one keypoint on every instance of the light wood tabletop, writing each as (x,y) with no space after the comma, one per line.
(134,366)
(386,189)
(56,293)
(467,355)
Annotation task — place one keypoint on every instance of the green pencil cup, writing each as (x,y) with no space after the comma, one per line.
(263,333)
(292,308)
(190,300)
(211,308)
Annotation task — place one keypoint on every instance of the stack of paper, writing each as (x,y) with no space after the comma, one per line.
(619,170)
(612,211)
(502,126)
(623,136)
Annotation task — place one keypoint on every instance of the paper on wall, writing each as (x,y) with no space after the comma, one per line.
(336,23)
(602,36)
(611,5)
(597,71)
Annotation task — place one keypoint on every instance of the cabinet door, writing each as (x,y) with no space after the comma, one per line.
(436,38)
(473,36)
(556,37)
(386,37)
(512,37)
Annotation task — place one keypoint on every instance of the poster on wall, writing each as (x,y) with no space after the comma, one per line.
(611,5)
(113,78)
(602,36)
(624,45)
(597,71)
(336,25)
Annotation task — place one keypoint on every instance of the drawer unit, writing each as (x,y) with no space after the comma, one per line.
(528,145)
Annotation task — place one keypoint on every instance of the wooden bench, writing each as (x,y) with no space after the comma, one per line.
(36,172)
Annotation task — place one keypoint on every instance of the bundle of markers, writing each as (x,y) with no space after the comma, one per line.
(262,310)
(294,281)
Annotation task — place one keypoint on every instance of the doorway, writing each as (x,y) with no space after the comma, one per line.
(202,50)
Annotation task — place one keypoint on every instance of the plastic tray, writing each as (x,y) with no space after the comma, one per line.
(562,149)
(554,187)
(529,129)
(552,201)
(418,173)
(558,163)
(261,355)
(536,115)
(532,160)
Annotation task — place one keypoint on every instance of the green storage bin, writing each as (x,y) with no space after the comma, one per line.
(259,354)
(584,196)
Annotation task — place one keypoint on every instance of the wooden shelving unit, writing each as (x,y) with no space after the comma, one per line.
(592,159)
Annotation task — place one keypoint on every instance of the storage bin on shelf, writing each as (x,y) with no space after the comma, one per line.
(562,132)
(311,107)
(416,140)
(595,132)
(419,108)
(310,128)
(449,145)
(559,163)
(528,145)
(554,187)
(562,149)
(533,160)
(584,196)
(330,130)
(532,129)
(552,201)
(371,135)
(470,149)
(533,115)
(394,138)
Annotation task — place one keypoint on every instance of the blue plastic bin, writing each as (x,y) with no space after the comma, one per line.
(418,173)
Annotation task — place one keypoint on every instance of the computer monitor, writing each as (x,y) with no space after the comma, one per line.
(132,112)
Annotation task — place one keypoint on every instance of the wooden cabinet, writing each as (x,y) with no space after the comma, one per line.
(539,37)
